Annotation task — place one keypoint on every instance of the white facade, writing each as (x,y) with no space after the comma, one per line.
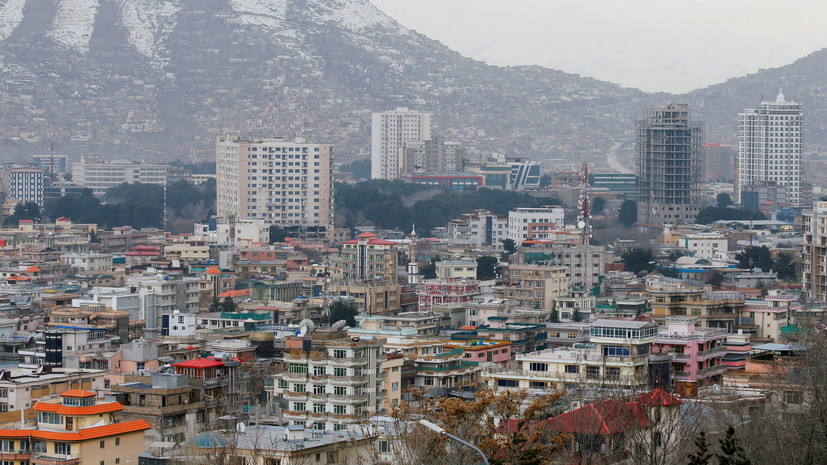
(84,262)
(165,295)
(526,224)
(389,132)
(182,324)
(706,245)
(769,147)
(814,257)
(464,268)
(26,185)
(479,228)
(100,176)
(243,232)
(280,181)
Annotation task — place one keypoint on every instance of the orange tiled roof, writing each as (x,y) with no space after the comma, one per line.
(237,293)
(77,393)
(76,436)
(69,410)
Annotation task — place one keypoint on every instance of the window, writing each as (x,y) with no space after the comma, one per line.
(340,390)
(102,444)
(339,409)
(613,373)
(507,383)
(394,386)
(282,384)
(339,372)
(339,353)
(538,385)
(592,372)
(792,397)
(533,366)
(63,448)
(297,368)
(571,368)
(6,445)
(299,406)
(384,446)
(299,388)
(117,441)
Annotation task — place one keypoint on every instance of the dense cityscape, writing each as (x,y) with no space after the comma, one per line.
(396,284)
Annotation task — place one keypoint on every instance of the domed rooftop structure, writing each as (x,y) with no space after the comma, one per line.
(207,440)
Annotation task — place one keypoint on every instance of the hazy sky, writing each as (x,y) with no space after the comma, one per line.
(655,45)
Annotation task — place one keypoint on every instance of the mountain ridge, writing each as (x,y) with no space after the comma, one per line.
(152,79)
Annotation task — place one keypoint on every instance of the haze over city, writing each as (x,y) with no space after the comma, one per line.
(656,46)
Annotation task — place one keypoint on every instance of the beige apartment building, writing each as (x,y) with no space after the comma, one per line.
(536,286)
(281,181)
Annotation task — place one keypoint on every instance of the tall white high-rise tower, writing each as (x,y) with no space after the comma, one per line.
(769,148)
(389,132)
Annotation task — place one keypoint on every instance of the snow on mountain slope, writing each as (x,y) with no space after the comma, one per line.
(356,15)
(11,13)
(266,13)
(73,23)
(148,23)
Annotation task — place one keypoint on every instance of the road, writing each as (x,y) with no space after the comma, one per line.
(614,162)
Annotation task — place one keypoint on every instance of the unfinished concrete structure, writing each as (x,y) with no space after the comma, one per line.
(670,166)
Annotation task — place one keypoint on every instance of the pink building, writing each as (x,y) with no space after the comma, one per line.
(446,291)
(698,353)
(483,351)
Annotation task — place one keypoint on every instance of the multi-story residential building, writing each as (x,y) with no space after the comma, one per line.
(532,224)
(21,388)
(71,347)
(214,381)
(75,428)
(769,147)
(617,358)
(26,185)
(432,292)
(283,182)
(369,257)
(479,228)
(737,350)
(433,155)
(85,262)
(585,263)
(92,173)
(169,292)
(390,131)
(337,386)
(167,402)
(524,337)
(764,319)
(536,286)
(411,324)
(48,160)
(462,268)
(697,353)
(718,309)
(670,166)
(484,312)
(625,183)
(707,245)
(374,297)
(483,351)
(719,162)
(814,256)
(433,367)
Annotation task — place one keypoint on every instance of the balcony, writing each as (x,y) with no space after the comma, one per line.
(348,380)
(348,362)
(54,459)
(15,455)
(318,397)
(296,356)
(290,395)
(287,376)
(349,399)
(319,416)
(294,414)
(711,353)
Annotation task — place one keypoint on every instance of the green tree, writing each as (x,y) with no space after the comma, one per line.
(731,452)
(638,259)
(555,316)
(576,316)
(755,257)
(359,169)
(710,215)
(215,305)
(702,456)
(24,211)
(784,267)
(277,234)
(227,305)
(545,181)
(487,267)
(627,214)
(598,204)
(716,278)
(429,271)
(343,311)
(509,245)
(723,200)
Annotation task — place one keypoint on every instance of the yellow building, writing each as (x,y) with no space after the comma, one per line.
(75,428)
(536,286)
(718,309)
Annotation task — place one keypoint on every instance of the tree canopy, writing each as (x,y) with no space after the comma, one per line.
(638,259)
(709,215)
(627,214)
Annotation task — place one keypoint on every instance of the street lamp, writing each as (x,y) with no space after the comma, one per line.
(441,431)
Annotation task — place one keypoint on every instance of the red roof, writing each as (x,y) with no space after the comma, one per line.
(604,418)
(199,363)
(77,393)
(658,398)
(213,270)
(367,234)
(238,293)
(82,435)
(63,218)
(69,410)
(33,269)
(373,241)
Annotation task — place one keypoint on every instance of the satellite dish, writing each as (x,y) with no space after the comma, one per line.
(581,224)
(240,427)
